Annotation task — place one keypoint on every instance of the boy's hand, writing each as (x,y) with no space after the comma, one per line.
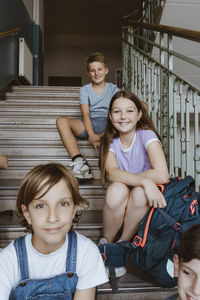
(95,140)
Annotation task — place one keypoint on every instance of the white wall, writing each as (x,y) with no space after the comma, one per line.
(184,14)
(65,55)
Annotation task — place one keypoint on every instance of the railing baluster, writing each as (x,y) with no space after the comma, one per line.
(172,101)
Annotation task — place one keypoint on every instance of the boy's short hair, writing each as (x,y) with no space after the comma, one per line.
(47,176)
(95,57)
(190,244)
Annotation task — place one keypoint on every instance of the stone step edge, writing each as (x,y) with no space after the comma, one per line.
(102,290)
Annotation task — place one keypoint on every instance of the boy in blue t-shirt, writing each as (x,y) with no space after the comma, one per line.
(94,102)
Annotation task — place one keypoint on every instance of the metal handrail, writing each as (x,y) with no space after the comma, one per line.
(192,35)
(9,32)
(149,70)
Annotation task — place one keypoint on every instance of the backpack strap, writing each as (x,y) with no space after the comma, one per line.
(176,185)
(177,226)
(113,279)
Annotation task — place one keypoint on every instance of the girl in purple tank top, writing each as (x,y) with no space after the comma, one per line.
(132,159)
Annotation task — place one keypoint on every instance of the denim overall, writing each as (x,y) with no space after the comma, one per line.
(59,287)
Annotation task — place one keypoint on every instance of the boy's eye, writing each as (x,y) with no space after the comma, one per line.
(64,203)
(40,205)
(188,273)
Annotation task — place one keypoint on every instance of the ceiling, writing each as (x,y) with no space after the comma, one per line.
(88,17)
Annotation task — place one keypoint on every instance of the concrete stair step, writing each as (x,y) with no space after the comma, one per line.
(38,97)
(18,168)
(47,89)
(47,149)
(39,110)
(89,189)
(25,122)
(15,102)
(26,133)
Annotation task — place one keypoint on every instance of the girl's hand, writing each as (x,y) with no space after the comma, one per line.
(153,194)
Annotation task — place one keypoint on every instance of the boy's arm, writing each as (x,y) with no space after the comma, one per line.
(87,294)
(92,136)
(86,119)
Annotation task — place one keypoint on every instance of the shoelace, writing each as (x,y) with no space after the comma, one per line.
(74,163)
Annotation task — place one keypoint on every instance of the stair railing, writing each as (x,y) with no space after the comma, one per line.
(149,66)
(151,10)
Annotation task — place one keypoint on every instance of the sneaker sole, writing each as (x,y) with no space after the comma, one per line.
(89,176)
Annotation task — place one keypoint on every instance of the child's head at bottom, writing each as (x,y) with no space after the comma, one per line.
(47,201)
(187,265)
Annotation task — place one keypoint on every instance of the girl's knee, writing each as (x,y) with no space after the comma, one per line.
(117,195)
(138,197)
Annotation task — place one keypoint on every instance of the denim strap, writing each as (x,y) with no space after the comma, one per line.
(20,248)
(71,252)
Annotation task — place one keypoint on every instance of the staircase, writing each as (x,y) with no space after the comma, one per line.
(28,137)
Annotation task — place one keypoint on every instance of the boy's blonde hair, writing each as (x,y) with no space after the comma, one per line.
(95,57)
(47,176)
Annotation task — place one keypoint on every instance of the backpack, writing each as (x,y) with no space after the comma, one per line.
(159,232)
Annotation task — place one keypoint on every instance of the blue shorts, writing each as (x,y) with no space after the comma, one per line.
(99,124)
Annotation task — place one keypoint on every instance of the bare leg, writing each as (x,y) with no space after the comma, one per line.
(135,211)
(114,209)
(3,161)
(68,129)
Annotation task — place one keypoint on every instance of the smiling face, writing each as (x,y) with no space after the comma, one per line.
(124,115)
(97,72)
(188,278)
(50,216)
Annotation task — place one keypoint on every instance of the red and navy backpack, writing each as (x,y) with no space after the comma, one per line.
(159,233)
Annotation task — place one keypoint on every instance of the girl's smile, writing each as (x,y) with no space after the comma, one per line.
(124,115)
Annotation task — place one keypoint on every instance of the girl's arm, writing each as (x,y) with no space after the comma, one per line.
(88,294)
(159,171)
(153,194)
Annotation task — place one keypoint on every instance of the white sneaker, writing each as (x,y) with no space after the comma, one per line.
(102,241)
(81,170)
(119,272)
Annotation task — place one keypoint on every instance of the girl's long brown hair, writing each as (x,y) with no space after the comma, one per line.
(110,132)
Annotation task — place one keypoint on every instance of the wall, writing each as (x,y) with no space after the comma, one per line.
(29,7)
(184,14)
(65,54)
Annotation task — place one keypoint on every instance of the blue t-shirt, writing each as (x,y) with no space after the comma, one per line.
(134,159)
(98,105)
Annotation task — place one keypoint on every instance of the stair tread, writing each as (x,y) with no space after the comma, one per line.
(134,280)
(15,183)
